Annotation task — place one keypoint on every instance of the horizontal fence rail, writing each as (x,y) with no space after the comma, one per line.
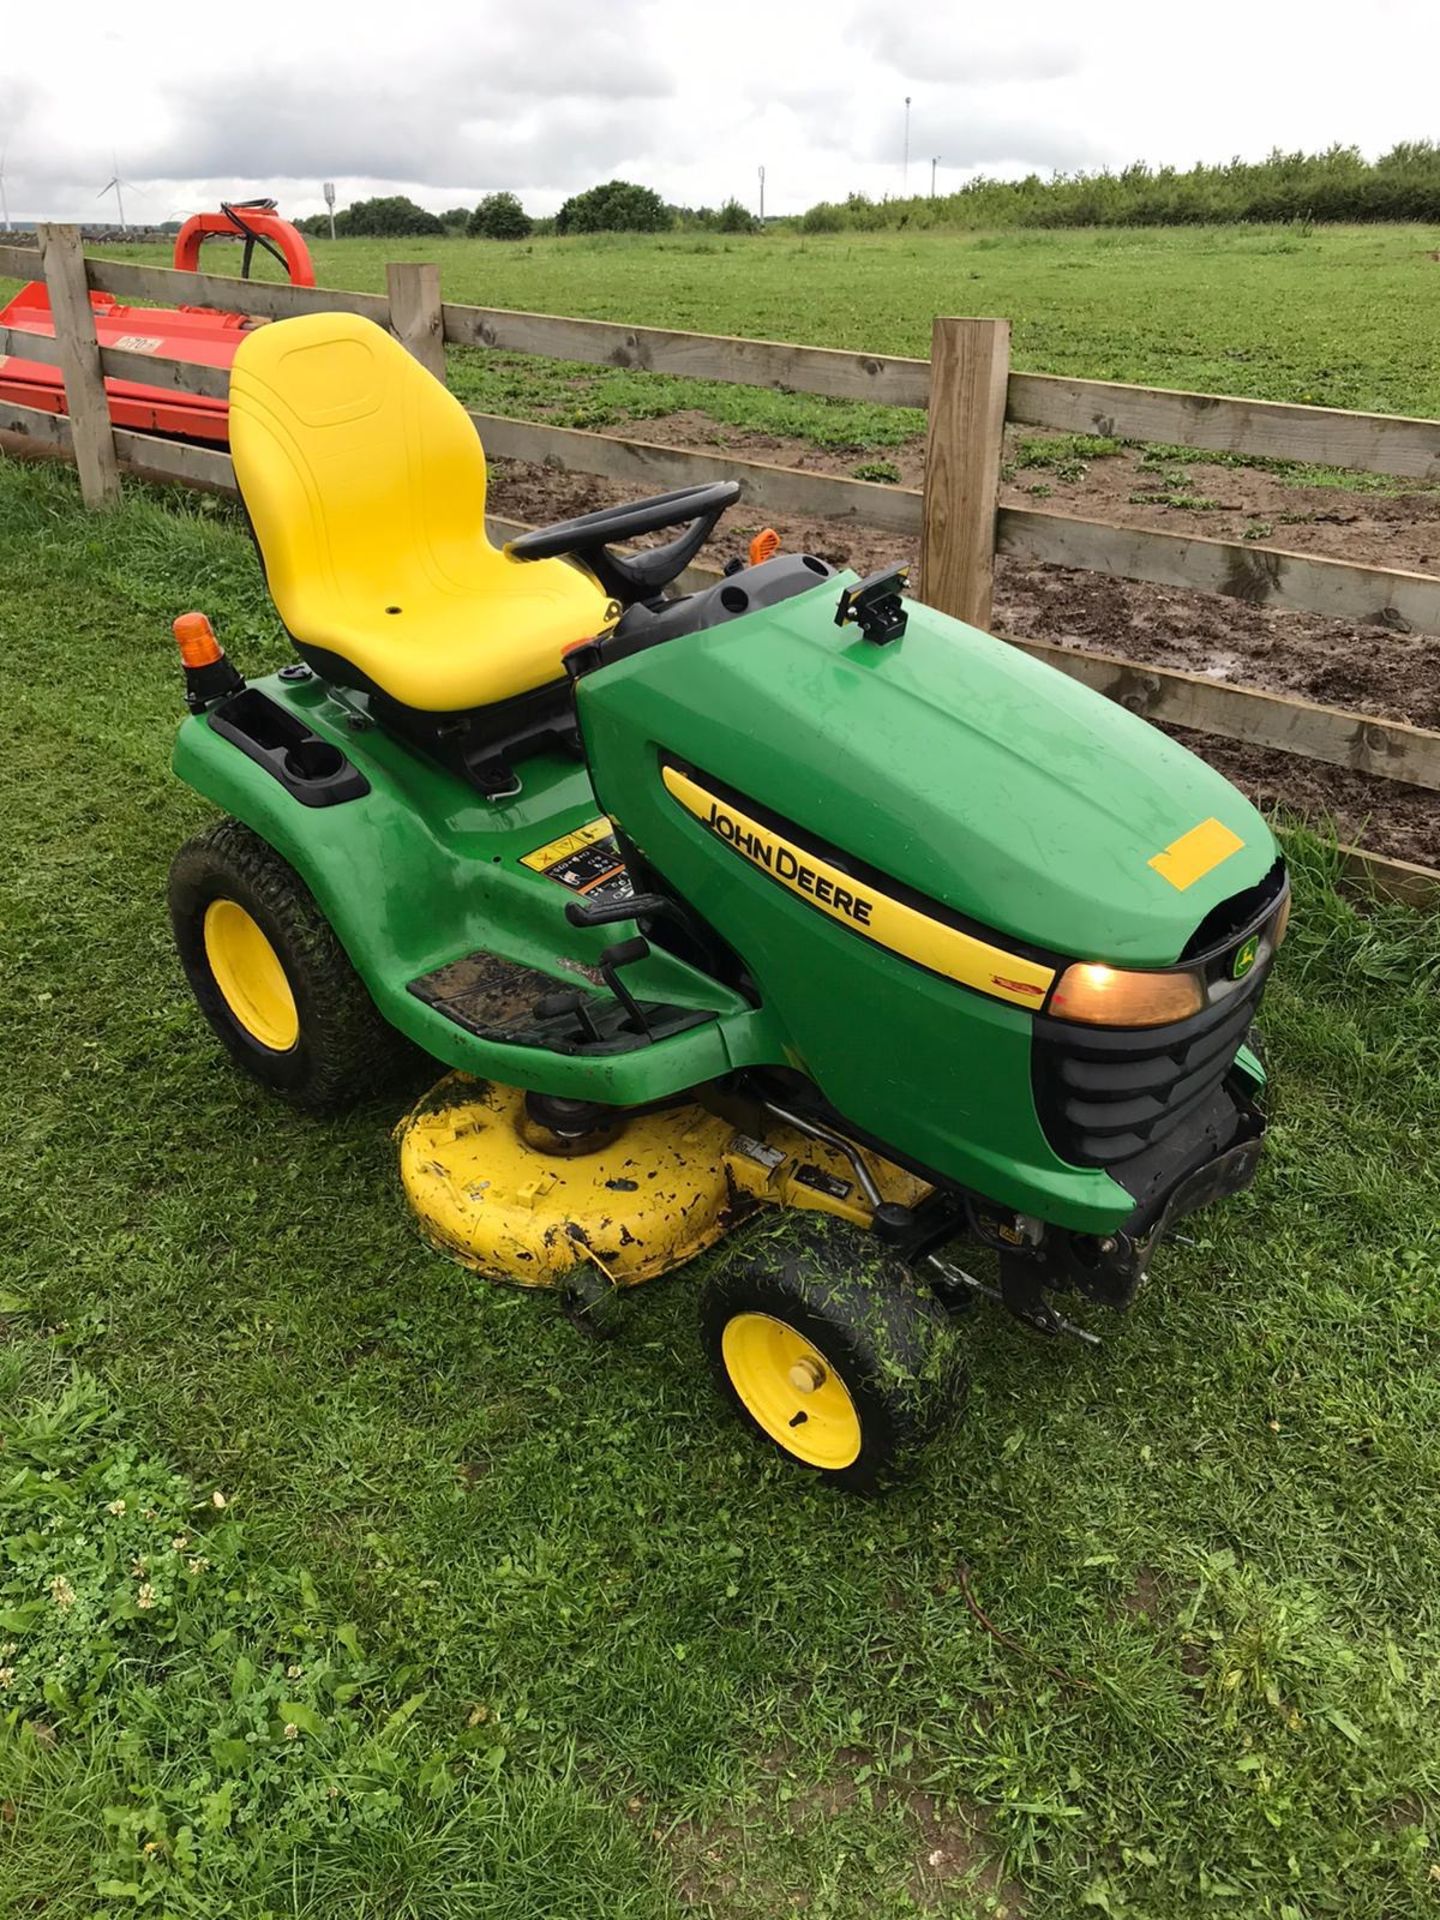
(1214,423)
(970,394)
(768,488)
(144,454)
(119,363)
(1260,576)
(1217,423)
(1272,577)
(828,371)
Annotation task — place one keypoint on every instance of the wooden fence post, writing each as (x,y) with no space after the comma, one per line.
(416,319)
(969,374)
(63,259)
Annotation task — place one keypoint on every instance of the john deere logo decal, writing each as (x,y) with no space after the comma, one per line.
(863,907)
(1245,957)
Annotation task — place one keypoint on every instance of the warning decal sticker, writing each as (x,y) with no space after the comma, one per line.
(586,861)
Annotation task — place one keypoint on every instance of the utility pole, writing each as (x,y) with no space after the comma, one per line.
(329,191)
(905,169)
(934,163)
(762,196)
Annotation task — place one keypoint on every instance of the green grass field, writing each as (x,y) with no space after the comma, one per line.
(337,1585)
(1341,317)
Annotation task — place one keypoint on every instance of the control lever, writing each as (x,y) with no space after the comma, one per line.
(604,913)
(565,1005)
(624,954)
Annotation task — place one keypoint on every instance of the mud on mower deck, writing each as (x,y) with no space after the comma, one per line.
(496,1185)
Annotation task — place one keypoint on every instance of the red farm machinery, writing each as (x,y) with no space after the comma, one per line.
(206,335)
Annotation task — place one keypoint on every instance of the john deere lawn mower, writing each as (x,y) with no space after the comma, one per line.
(787,898)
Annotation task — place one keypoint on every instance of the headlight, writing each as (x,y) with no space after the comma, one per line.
(1108,997)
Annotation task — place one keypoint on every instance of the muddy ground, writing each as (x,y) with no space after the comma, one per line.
(1369,669)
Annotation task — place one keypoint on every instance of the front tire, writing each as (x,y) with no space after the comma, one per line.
(270,976)
(828,1348)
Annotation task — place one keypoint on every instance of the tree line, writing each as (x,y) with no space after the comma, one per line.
(1336,185)
(617,206)
(499,216)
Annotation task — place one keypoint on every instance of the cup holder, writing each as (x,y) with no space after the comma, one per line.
(313,760)
(313,769)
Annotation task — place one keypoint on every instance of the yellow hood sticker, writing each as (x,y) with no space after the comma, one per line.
(890,923)
(1196,853)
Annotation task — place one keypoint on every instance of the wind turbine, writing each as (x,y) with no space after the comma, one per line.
(113,185)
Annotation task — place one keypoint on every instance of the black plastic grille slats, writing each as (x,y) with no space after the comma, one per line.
(1105,1096)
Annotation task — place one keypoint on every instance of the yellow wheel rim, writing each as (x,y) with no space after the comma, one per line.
(248,972)
(791,1390)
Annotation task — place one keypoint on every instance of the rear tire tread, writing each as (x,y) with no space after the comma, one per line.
(346,1051)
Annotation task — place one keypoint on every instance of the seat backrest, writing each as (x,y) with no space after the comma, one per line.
(358,469)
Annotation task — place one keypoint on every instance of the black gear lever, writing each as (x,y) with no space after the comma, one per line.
(633,906)
(624,954)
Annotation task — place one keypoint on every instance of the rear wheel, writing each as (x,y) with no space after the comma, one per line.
(828,1348)
(271,977)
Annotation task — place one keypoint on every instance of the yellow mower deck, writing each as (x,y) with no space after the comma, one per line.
(492,1191)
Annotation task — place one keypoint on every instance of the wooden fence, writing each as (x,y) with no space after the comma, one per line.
(968,392)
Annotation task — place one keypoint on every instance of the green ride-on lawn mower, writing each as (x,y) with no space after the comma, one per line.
(788,893)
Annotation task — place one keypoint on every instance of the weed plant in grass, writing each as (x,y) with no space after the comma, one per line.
(568,1642)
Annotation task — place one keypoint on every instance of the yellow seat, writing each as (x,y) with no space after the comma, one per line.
(365,483)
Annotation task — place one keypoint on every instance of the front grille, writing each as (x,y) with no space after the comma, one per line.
(1105,1095)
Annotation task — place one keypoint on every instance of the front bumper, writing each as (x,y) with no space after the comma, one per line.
(1228,1173)
(1213,1154)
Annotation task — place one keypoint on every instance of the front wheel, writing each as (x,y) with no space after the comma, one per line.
(271,977)
(828,1347)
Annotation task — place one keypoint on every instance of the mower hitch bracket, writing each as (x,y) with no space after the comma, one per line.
(889,1220)
(1026,1303)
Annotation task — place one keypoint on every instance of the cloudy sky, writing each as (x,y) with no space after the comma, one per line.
(453,98)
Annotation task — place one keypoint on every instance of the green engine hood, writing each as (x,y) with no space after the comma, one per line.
(954,763)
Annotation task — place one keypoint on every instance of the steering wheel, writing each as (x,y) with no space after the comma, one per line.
(633,576)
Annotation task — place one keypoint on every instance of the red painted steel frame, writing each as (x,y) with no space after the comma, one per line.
(206,335)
